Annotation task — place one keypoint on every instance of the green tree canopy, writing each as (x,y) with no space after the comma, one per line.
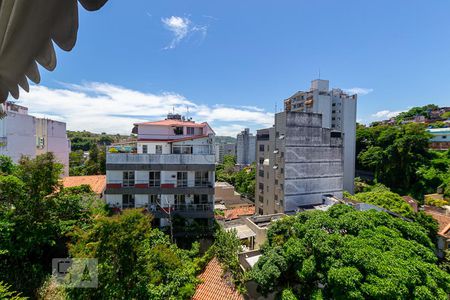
(346,254)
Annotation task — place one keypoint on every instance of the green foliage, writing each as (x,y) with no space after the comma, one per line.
(353,255)
(94,164)
(416,111)
(6,293)
(399,157)
(6,165)
(244,180)
(135,260)
(35,215)
(446,115)
(287,294)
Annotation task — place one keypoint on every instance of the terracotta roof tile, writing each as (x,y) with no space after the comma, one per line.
(235,213)
(443,220)
(96,182)
(214,286)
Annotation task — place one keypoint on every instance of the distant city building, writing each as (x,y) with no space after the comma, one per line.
(24,135)
(298,162)
(224,149)
(440,138)
(245,148)
(169,171)
(338,111)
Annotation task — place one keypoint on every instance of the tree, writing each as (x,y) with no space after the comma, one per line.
(135,261)
(6,165)
(346,254)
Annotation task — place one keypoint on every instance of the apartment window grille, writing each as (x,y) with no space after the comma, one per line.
(128,201)
(128,178)
(154,179)
(182,179)
(261,173)
(200,199)
(261,147)
(201,178)
(158,149)
(144,149)
(190,130)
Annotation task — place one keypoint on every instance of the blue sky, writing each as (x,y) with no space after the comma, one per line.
(231,61)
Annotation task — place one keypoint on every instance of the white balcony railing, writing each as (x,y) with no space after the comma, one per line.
(131,158)
(164,183)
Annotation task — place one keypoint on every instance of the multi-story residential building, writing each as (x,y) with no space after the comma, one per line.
(298,163)
(338,111)
(170,171)
(224,149)
(440,139)
(24,135)
(245,148)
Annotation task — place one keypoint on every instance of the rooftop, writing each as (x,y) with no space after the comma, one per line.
(96,182)
(214,285)
(170,122)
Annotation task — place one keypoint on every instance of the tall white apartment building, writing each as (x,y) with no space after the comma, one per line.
(169,171)
(338,111)
(24,135)
(245,147)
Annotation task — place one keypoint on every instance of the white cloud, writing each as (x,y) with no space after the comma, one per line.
(386,114)
(181,28)
(358,90)
(103,107)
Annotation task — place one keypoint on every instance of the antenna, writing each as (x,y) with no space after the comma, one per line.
(173,109)
(276,107)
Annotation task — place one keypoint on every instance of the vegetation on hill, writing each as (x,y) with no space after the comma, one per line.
(346,254)
(224,139)
(416,111)
(244,181)
(400,159)
(95,145)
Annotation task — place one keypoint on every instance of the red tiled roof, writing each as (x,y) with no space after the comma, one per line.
(96,182)
(232,214)
(175,140)
(443,220)
(214,286)
(173,123)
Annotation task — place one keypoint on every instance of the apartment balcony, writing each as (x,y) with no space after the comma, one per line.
(122,161)
(157,187)
(204,210)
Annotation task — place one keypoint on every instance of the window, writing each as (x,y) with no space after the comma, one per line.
(144,149)
(158,149)
(334,104)
(267,188)
(180,199)
(276,181)
(154,179)
(153,202)
(260,211)
(282,154)
(182,178)
(128,178)
(127,201)
(261,160)
(261,187)
(261,147)
(190,130)
(200,199)
(182,149)
(178,130)
(261,199)
(333,118)
(261,173)
(201,178)
(444,136)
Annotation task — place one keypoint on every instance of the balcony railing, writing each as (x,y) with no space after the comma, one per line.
(178,207)
(132,158)
(159,183)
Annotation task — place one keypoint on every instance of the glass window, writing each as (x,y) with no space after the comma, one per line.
(128,178)
(158,149)
(190,130)
(201,178)
(200,199)
(153,202)
(154,179)
(144,149)
(178,130)
(127,201)
(180,199)
(261,147)
(182,150)
(182,178)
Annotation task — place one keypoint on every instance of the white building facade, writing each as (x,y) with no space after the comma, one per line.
(245,147)
(169,171)
(338,111)
(24,135)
